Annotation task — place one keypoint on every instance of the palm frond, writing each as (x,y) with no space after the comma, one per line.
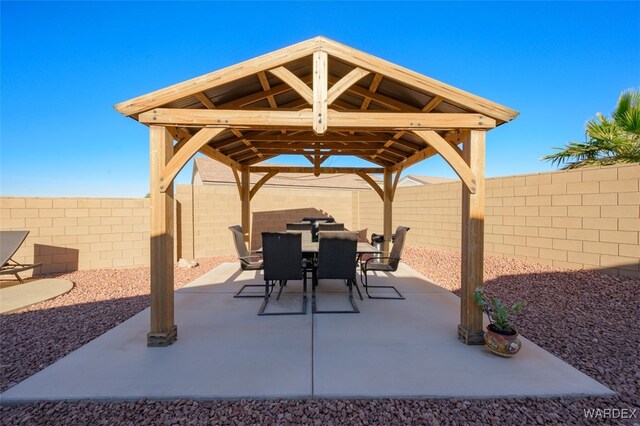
(608,141)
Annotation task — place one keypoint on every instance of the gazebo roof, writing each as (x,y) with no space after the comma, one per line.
(264,106)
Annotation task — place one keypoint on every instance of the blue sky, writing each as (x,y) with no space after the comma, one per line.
(64,65)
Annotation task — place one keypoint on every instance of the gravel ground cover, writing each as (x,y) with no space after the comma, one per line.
(586,318)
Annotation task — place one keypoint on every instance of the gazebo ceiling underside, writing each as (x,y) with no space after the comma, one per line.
(264,91)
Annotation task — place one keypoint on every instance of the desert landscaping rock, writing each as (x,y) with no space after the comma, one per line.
(586,318)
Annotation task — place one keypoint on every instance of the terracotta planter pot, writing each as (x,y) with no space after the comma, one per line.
(502,344)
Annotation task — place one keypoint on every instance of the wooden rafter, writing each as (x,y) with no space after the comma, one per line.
(372,88)
(239,135)
(264,82)
(432,104)
(218,156)
(216,78)
(205,100)
(419,81)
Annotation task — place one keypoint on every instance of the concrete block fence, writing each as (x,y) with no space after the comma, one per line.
(587,218)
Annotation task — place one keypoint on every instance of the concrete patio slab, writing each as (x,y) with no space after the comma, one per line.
(224,350)
(15,296)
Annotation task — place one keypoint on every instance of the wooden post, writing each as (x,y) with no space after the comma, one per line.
(163,331)
(470,329)
(388,210)
(320,90)
(246,205)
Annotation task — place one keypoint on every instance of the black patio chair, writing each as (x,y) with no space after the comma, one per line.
(282,259)
(337,260)
(248,261)
(385,264)
(305,228)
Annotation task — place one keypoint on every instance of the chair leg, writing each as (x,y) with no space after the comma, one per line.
(315,310)
(282,285)
(267,294)
(367,287)
(355,282)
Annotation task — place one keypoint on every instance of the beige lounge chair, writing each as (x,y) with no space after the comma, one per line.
(10,242)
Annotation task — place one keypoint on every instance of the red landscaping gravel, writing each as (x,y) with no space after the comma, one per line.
(586,318)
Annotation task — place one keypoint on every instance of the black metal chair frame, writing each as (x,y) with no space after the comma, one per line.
(350,281)
(246,261)
(364,268)
(270,281)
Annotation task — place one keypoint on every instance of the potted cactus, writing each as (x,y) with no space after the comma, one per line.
(501,337)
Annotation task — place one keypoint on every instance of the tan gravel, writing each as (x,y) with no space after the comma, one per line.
(586,318)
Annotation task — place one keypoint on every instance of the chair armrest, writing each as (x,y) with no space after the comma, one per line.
(374,258)
(249,258)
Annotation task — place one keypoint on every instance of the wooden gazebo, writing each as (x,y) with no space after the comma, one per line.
(316,99)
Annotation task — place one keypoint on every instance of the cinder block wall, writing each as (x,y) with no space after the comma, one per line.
(67,234)
(580,219)
(587,218)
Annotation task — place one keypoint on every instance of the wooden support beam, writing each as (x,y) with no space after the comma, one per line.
(372,88)
(261,182)
(408,120)
(450,155)
(218,156)
(372,183)
(294,82)
(396,179)
(257,160)
(434,102)
(345,83)
(184,154)
(239,135)
(163,330)
(312,137)
(238,181)
(264,82)
(318,145)
(387,211)
(316,164)
(204,100)
(246,205)
(320,91)
(303,118)
(470,330)
(323,170)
